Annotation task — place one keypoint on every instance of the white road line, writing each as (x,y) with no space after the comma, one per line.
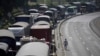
(87,49)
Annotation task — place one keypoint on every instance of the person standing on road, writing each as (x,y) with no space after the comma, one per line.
(65,44)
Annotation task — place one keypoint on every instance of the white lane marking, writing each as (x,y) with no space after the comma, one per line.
(87,49)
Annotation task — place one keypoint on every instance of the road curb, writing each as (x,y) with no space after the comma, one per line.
(94,26)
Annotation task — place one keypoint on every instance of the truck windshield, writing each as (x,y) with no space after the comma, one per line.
(70,9)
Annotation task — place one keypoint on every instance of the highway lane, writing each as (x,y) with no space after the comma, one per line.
(82,40)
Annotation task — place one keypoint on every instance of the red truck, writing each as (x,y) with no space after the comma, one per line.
(41,30)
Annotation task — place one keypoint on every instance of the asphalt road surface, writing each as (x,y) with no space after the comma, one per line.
(82,41)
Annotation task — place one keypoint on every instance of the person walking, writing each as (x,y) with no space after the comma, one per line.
(65,44)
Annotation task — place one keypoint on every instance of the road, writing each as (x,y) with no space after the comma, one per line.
(82,41)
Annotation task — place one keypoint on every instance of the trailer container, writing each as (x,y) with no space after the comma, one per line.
(41,30)
(24,18)
(34,49)
(7,41)
(43,18)
(19,29)
(33,11)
